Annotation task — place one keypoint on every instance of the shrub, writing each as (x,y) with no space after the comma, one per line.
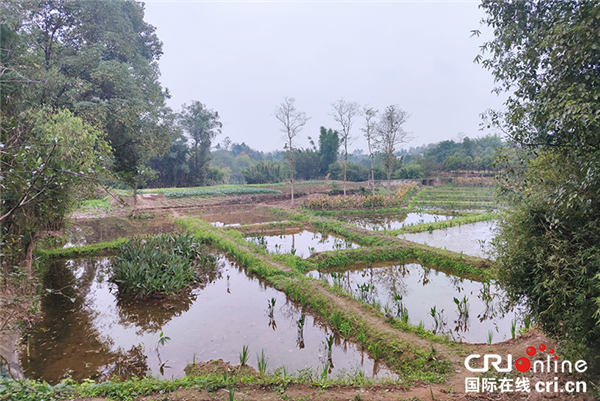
(161,264)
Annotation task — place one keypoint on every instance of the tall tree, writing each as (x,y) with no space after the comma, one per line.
(546,54)
(329,145)
(390,134)
(343,113)
(202,126)
(292,121)
(370,130)
(98,59)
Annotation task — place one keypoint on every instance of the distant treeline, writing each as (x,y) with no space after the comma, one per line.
(237,163)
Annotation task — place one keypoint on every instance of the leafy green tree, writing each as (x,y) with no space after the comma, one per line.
(329,145)
(48,158)
(202,126)
(98,59)
(547,54)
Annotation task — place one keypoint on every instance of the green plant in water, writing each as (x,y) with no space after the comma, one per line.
(336,320)
(463,307)
(160,264)
(263,363)
(513,328)
(244,355)
(271,307)
(375,349)
(490,336)
(162,339)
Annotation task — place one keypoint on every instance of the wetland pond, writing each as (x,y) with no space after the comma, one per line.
(472,239)
(92,231)
(302,244)
(383,221)
(89,331)
(415,290)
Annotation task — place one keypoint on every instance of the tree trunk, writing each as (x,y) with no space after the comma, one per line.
(135,185)
(345,166)
(389,175)
(372,177)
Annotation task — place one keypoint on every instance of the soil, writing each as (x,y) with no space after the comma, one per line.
(244,209)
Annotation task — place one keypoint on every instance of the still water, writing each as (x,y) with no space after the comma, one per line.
(415,290)
(89,331)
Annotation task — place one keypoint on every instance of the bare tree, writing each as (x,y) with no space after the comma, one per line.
(390,134)
(343,113)
(370,131)
(292,121)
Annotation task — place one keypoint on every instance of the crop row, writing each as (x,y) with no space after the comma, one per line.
(220,191)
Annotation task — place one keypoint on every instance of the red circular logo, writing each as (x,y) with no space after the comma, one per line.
(531,351)
(522,364)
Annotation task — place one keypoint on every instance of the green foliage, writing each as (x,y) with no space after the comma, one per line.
(329,145)
(202,126)
(161,264)
(547,55)
(220,191)
(244,355)
(264,172)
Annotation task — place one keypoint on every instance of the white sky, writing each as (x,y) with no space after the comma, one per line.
(241,58)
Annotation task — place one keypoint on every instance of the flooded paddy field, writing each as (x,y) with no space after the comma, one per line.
(427,296)
(89,331)
(385,221)
(303,243)
(233,219)
(92,231)
(472,239)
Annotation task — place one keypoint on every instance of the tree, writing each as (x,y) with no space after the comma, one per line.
(329,145)
(202,126)
(292,121)
(343,113)
(370,131)
(98,59)
(389,135)
(547,55)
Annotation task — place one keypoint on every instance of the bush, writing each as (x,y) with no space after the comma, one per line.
(161,264)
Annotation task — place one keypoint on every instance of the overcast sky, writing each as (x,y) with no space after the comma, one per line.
(241,58)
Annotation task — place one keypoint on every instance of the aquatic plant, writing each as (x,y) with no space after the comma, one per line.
(244,355)
(463,307)
(160,264)
(513,328)
(263,362)
(271,307)
(490,336)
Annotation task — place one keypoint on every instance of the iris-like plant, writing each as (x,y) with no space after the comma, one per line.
(160,264)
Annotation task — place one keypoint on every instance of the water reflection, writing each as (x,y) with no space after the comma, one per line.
(383,221)
(472,239)
(442,302)
(89,331)
(302,244)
